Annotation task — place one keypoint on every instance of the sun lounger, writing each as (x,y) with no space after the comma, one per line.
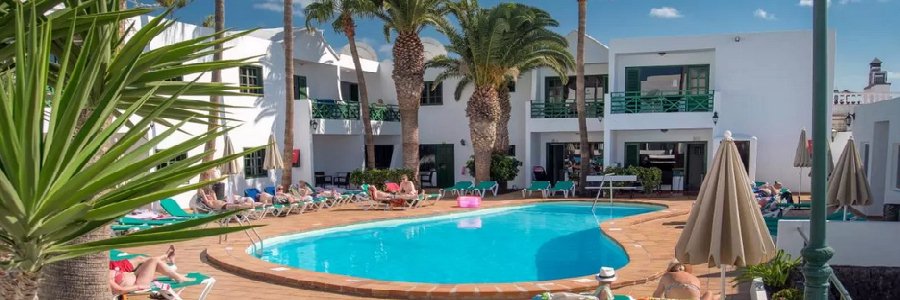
(483,187)
(565,187)
(125,229)
(537,186)
(148,222)
(173,209)
(459,188)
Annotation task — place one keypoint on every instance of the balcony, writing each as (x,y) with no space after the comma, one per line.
(661,102)
(389,113)
(333,110)
(565,109)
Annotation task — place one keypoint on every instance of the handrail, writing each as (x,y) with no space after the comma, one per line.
(845,295)
(565,109)
(335,110)
(634,102)
(384,112)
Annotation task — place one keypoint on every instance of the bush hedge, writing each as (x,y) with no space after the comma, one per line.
(379,176)
(503,167)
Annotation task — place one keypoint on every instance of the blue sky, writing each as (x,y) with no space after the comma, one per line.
(862,26)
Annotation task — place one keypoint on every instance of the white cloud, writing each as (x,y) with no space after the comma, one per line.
(278,5)
(810,3)
(665,12)
(386,49)
(893,76)
(762,14)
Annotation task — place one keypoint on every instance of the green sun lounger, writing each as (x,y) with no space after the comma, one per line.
(537,186)
(121,229)
(565,187)
(173,209)
(116,254)
(148,222)
(483,187)
(459,188)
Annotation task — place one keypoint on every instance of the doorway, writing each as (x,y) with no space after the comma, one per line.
(683,164)
(696,165)
(350,91)
(439,159)
(383,156)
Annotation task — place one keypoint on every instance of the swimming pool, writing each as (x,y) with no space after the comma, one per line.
(544,241)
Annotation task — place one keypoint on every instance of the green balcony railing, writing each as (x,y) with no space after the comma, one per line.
(335,110)
(661,102)
(390,112)
(565,109)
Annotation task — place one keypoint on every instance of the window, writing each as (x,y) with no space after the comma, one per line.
(694,79)
(511,151)
(253,164)
(178,158)
(349,91)
(594,88)
(511,86)
(301,90)
(251,80)
(433,95)
(897,165)
(866,158)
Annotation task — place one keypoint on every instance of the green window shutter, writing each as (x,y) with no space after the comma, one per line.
(631,154)
(301,90)
(632,79)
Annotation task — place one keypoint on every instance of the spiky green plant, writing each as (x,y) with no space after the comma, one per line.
(72,161)
(774,273)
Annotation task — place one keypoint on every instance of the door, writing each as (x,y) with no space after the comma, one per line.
(632,154)
(383,156)
(556,165)
(744,151)
(444,164)
(695,166)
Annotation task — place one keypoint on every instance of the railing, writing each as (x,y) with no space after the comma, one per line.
(661,102)
(335,110)
(390,112)
(854,98)
(565,109)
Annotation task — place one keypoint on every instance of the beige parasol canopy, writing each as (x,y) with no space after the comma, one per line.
(231,167)
(848,185)
(802,159)
(273,156)
(725,226)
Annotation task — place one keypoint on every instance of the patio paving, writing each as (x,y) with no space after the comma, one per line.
(648,239)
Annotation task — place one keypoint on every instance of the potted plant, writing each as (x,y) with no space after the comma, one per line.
(774,274)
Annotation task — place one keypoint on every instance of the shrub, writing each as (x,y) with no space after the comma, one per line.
(503,167)
(379,176)
(788,294)
(774,273)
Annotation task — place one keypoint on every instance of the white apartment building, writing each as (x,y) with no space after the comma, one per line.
(651,102)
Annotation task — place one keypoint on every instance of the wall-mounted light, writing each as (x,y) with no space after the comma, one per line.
(715,117)
(737,39)
(600,118)
(462,142)
(664,130)
(850,117)
(314,125)
(661,53)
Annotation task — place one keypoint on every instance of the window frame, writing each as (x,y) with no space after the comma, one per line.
(428,95)
(253,164)
(301,88)
(244,80)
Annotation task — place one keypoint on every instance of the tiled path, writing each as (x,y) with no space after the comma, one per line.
(649,240)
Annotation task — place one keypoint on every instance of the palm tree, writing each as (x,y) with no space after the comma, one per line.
(579,99)
(213,118)
(407,18)
(62,175)
(286,175)
(173,3)
(343,12)
(209,21)
(491,47)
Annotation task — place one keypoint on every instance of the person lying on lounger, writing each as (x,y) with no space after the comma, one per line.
(301,191)
(407,189)
(381,196)
(283,198)
(208,198)
(135,274)
(678,283)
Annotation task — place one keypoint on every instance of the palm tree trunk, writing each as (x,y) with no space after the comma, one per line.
(502,144)
(483,111)
(286,175)
(350,32)
(579,99)
(16,285)
(216,77)
(84,278)
(409,69)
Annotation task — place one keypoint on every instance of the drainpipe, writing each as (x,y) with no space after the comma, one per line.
(817,253)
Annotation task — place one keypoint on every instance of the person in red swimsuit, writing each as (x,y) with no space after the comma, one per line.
(135,274)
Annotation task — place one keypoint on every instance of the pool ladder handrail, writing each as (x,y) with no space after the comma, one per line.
(244,221)
(600,190)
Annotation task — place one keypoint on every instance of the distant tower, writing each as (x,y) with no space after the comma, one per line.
(877,77)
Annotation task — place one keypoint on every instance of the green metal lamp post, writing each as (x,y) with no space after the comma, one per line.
(817,253)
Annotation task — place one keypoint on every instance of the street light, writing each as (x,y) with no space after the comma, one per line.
(715,117)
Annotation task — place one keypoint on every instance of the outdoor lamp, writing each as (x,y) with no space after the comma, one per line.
(850,118)
(600,118)
(462,142)
(715,117)
(314,125)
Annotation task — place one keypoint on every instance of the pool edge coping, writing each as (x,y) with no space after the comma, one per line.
(235,260)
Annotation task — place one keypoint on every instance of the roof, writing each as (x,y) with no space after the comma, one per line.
(876,61)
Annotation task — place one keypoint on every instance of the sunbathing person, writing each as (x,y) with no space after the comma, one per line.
(385,197)
(301,191)
(407,189)
(208,198)
(125,276)
(678,283)
(283,198)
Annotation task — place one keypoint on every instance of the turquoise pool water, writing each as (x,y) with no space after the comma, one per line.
(543,241)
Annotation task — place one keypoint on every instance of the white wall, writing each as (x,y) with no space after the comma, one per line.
(868,243)
(763,87)
(338,153)
(882,168)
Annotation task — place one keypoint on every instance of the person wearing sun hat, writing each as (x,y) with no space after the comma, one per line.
(605,277)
